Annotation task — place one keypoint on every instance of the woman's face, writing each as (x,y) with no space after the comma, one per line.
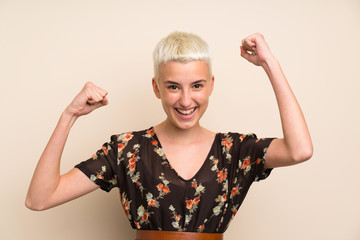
(184,90)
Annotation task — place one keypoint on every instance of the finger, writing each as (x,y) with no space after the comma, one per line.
(94,96)
(246,55)
(101,91)
(246,52)
(105,101)
(249,41)
(248,44)
(249,50)
(90,85)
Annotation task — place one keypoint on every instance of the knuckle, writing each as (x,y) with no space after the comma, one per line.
(89,84)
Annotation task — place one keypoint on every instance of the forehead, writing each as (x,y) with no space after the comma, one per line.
(177,70)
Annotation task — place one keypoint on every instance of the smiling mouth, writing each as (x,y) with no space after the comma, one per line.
(186,112)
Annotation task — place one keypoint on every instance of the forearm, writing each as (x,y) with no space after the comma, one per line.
(296,134)
(47,173)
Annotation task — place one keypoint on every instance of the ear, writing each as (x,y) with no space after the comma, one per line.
(156,88)
(212,84)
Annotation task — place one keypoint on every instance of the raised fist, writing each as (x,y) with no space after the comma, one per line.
(87,100)
(255,49)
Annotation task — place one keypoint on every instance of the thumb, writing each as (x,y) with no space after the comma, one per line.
(93,106)
(97,104)
(105,101)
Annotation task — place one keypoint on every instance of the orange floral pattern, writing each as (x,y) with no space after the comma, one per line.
(154,196)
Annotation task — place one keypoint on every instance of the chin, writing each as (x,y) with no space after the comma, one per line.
(186,126)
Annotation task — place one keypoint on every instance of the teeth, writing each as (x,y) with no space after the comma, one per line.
(186,112)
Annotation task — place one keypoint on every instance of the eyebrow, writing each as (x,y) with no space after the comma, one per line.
(196,82)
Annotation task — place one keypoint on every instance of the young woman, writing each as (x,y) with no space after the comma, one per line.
(177,176)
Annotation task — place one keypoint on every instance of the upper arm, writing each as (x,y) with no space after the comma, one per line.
(71,185)
(279,155)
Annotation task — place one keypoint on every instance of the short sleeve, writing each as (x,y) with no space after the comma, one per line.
(253,156)
(101,167)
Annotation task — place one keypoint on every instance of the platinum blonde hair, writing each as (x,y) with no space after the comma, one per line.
(180,47)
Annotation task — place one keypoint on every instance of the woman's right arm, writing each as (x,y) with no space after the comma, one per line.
(48,188)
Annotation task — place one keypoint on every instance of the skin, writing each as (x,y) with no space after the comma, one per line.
(184,88)
(296,146)
(181,87)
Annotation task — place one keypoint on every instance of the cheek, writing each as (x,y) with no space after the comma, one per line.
(168,99)
(203,97)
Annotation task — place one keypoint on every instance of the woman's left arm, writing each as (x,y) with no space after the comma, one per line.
(296,146)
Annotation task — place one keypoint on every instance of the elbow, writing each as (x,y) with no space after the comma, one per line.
(34,205)
(303,154)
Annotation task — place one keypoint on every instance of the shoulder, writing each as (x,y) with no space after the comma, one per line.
(127,136)
(232,142)
(133,137)
(236,137)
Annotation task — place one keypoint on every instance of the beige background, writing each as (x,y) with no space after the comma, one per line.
(49,49)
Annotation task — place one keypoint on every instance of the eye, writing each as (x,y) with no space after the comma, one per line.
(198,85)
(173,87)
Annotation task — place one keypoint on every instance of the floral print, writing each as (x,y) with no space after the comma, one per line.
(142,217)
(126,204)
(176,217)
(226,143)
(163,187)
(155,197)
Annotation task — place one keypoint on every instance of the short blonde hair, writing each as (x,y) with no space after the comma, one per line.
(180,47)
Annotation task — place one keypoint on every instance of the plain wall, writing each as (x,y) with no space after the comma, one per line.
(49,49)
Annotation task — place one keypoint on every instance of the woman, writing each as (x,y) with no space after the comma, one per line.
(201,181)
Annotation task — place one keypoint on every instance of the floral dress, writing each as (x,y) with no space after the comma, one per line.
(155,197)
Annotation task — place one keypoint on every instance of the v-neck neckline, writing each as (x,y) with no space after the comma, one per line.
(165,158)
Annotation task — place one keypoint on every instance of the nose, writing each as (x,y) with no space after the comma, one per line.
(185,99)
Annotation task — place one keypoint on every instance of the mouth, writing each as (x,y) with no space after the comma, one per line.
(186,111)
